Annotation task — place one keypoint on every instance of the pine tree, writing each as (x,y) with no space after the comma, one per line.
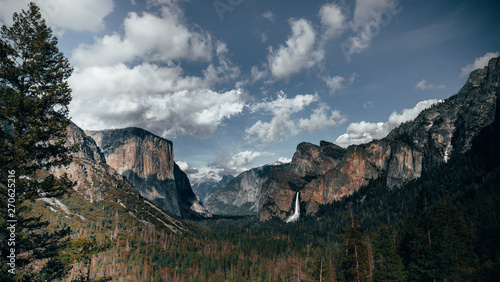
(34,99)
(388,263)
(452,244)
(354,261)
(416,243)
(436,243)
(83,250)
(319,268)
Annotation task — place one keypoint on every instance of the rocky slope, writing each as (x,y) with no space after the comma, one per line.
(99,184)
(241,195)
(147,162)
(203,190)
(412,148)
(105,207)
(311,160)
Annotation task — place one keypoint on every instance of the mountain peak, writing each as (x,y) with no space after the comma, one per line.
(326,173)
(147,162)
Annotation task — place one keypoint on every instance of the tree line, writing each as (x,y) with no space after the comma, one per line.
(443,226)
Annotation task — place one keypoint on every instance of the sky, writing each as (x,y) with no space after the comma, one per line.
(236,84)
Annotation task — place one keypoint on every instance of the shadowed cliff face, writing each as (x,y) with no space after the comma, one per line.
(205,189)
(240,196)
(96,181)
(408,151)
(312,160)
(278,193)
(147,162)
(93,177)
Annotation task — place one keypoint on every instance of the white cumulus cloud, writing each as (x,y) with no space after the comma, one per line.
(224,164)
(423,85)
(332,19)
(367,11)
(337,83)
(136,78)
(76,15)
(269,16)
(299,51)
(147,37)
(368,105)
(370,16)
(282,126)
(320,119)
(479,63)
(284,160)
(363,132)
(334,83)
(160,99)
(259,73)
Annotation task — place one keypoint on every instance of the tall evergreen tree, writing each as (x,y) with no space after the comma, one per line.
(436,243)
(416,242)
(452,243)
(34,99)
(388,263)
(354,261)
(319,268)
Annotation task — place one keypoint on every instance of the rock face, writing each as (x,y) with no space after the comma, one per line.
(203,190)
(96,181)
(87,148)
(311,160)
(241,195)
(408,151)
(147,162)
(88,167)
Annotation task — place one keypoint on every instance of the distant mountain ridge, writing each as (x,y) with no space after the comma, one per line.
(240,195)
(409,150)
(203,190)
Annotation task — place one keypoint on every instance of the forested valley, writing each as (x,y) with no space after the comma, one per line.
(443,226)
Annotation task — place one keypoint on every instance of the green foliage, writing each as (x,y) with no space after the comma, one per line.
(416,243)
(452,243)
(320,269)
(83,250)
(450,232)
(436,243)
(244,249)
(355,258)
(388,263)
(34,99)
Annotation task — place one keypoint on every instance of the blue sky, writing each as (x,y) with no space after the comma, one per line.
(239,83)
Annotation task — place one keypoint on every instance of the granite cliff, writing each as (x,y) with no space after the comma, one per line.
(203,190)
(147,162)
(325,175)
(98,184)
(88,167)
(240,196)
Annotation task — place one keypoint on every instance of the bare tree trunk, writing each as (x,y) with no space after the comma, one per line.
(87,278)
(321,271)
(357,263)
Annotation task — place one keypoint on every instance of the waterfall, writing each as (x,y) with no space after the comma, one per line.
(295,216)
